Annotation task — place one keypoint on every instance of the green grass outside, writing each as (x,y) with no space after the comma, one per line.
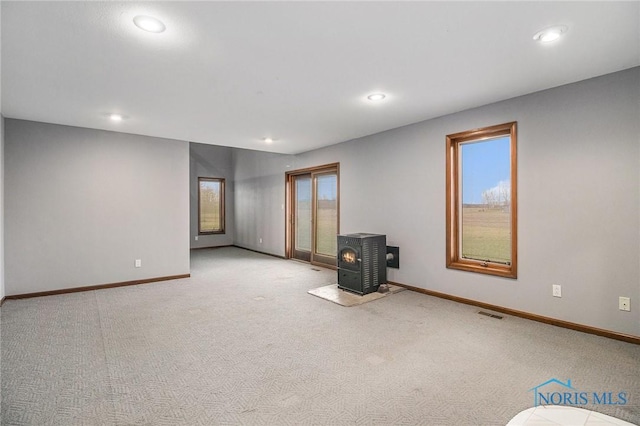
(327,241)
(210,221)
(486,234)
(327,228)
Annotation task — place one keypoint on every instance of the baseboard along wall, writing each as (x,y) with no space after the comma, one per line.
(526,315)
(211,247)
(261,252)
(95,287)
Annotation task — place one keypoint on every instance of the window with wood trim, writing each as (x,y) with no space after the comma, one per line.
(210,205)
(482,200)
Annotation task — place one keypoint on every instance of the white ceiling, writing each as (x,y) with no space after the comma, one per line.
(232,73)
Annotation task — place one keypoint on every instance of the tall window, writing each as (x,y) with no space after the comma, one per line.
(210,205)
(481,200)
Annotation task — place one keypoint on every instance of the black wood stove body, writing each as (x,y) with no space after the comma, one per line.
(362,264)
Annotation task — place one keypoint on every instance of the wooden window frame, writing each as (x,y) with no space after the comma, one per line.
(222,206)
(454,259)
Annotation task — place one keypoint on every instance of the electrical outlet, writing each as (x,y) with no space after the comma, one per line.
(138,263)
(260,240)
(624,303)
(196,238)
(557,290)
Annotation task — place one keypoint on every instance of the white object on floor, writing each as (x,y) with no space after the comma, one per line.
(332,293)
(563,415)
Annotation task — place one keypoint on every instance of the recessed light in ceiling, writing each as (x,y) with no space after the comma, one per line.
(550,34)
(116,117)
(149,23)
(376,97)
(268,140)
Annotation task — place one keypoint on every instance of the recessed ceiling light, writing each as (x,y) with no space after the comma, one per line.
(149,23)
(376,96)
(116,117)
(550,34)
(267,140)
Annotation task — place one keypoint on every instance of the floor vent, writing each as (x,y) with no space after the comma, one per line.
(487,314)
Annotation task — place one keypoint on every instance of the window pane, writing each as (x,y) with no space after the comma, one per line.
(303,213)
(327,214)
(485,219)
(482,205)
(211,204)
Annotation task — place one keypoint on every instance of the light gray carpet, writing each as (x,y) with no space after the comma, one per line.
(241,342)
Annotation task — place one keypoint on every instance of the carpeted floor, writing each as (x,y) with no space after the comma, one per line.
(241,342)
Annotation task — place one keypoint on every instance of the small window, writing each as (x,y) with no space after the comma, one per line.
(481,200)
(210,206)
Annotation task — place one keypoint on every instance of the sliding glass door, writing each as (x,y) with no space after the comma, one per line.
(313,214)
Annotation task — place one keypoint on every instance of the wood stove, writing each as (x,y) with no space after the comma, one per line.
(362,264)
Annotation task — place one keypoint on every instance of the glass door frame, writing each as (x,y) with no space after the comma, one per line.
(290,180)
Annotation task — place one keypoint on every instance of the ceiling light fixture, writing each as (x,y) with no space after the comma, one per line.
(376,97)
(116,117)
(267,140)
(149,23)
(550,34)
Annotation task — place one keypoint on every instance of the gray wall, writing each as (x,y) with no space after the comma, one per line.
(81,205)
(211,161)
(259,200)
(578,198)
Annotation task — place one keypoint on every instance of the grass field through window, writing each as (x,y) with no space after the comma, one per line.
(486,233)
(327,240)
(327,218)
(210,219)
